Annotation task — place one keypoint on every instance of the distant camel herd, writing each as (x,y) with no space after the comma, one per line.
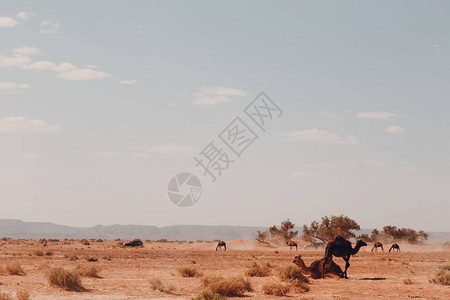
(339,247)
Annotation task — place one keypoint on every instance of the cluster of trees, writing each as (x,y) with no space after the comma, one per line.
(392,233)
(330,227)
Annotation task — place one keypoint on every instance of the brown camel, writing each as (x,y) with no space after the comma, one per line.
(315,269)
(340,247)
(221,244)
(292,244)
(377,245)
(393,247)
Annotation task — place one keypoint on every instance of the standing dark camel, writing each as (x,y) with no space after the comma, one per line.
(292,244)
(221,244)
(393,247)
(315,269)
(377,245)
(340,247)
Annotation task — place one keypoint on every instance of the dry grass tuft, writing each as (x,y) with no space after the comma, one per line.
(38,253)
(292,273)
(22,295)
(188,272)
(69,280)
(229,287)
(91,271)
(14,269)
(408,281)
(158,285)
(442,277)
(208,295)
(276,289)
(258,271)
(107,257)
(92,259)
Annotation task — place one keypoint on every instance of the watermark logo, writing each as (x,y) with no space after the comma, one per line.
(184,189)
(214,159)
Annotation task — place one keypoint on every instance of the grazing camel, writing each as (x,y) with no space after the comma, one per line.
(393,247)
(340,247)
(292,244)
(377,245)
(315,269)
(221,244)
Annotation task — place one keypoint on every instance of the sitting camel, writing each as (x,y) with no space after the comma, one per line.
(315,269)
(221,244)
(393,247)
(377,245)
(340,247)
(292,244)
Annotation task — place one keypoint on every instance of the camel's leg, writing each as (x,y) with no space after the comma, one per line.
(382,248)
(225,247)
(372,248)
(296,248)
(217,247)
(347,264)
(328,254)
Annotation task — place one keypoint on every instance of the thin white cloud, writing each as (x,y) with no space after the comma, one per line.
(6,22)
(48,27)
(173,149)
(438,48)
(25,50)
(374,163)
(318,136)
(303,174)
(128,81)
(44,65)
(107,154)
(209,95)
(23,15)
(13,86)
(21,124)
(395,130)
(83,74)
(14,61)
(32,156)
(379,115)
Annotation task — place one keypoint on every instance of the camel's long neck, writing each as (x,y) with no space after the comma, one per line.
(355,250)
(301,264)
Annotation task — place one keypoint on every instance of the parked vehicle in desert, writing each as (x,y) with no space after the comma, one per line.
(134,243)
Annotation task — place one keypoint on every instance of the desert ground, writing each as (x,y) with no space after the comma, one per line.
(126,272)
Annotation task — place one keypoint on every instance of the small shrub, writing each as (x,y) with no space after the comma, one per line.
(258,271)
(158,285)
(442,277)
(62,278)
(49,253)
(188,272)
(14,269)
(408,281)
(445,267)
(300,285)
(292,273)
(38,253)
(229,287)
(107,257)
(91,259)
(193,262)
(208,295)
(72,257)
(91,271)
(22,295)
(276,289)
(6,296)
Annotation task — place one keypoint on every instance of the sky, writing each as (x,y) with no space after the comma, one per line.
(102,103)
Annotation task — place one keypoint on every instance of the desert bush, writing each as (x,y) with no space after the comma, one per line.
(91,259)
(49,253)
(22,295)
(445,267)
(229,287)
(329,228)
(276,289)
(208,295)
(408,281)
(69,280)
(6,296)
(14,269)
(107,257)
(38,253)
(258,271)
(300,285)
(292,273)
(85,242)
(91,271)
(158,285)
(188,272)
(442,277)
(72,257)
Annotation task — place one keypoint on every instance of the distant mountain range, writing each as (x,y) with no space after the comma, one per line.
(18,229)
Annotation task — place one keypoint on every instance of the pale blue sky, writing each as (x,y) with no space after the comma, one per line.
(115,82)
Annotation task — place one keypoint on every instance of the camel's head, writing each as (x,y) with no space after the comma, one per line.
(297,258)
(360,243)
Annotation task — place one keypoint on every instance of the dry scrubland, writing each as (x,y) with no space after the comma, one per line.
(104,270)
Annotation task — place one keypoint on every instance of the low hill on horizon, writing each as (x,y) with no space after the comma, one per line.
(17,229)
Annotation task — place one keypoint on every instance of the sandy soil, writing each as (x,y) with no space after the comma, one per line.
(372,275)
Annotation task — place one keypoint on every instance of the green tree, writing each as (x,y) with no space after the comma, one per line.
(329,228)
